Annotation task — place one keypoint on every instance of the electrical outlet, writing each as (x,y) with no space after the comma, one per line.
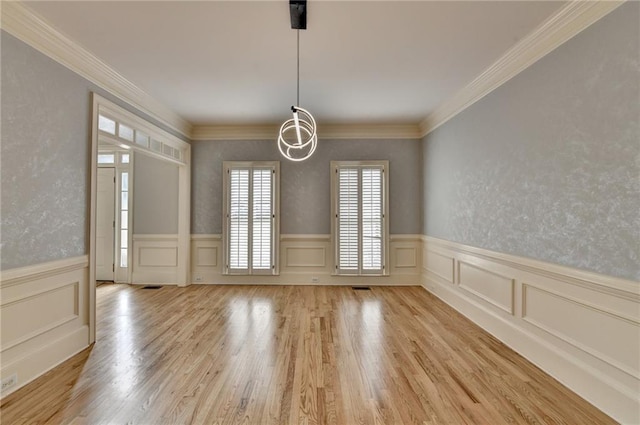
(315,279)
(10,381)
(198,279)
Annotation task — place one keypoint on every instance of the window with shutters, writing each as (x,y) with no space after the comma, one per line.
(251,219)
(360,227)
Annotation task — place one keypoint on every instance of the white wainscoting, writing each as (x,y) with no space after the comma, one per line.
(44,317)
(307,260)
(155,259)
(580,327)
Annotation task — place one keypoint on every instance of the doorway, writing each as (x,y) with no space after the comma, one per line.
(124,133)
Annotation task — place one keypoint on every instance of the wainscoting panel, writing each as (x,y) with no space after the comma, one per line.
(580,327)
(155,259)
(306,260)
(598,331)
(493,288)
(305,256)
(44,317)
(405,258)
(302,254)
(206,258)
(57,306)
(439,264)
(405,255)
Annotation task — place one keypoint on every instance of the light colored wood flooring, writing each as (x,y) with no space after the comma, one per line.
(291,355)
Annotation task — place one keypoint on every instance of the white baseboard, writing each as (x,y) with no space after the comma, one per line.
(31,344)
(580,327)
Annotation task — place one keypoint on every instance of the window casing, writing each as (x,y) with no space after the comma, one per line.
(360,230)
(251,217)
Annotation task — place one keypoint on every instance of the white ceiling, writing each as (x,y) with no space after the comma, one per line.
(234,62)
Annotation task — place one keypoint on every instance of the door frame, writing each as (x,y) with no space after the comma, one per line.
(160,144)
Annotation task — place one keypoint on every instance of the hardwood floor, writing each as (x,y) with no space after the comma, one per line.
(291,355)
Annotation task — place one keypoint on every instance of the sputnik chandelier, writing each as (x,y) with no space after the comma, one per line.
(298,138)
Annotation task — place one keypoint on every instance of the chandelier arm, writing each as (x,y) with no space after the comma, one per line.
(297,124)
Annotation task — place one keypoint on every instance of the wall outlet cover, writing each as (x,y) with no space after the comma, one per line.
(9,381)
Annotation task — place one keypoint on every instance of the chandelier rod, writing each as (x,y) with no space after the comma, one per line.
(298,70)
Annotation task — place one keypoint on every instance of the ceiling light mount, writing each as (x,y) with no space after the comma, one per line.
(298,139)
(298,12)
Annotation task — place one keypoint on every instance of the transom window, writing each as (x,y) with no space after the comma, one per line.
(118,132)
(251,217)
(360,229)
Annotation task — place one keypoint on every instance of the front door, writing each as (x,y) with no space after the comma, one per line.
(105,224)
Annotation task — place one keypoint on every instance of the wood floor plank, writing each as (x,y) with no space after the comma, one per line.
(279,355)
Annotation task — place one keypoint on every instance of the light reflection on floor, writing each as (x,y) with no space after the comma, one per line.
(371,336)
(124,367)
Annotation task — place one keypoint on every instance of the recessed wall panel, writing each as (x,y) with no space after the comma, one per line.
(439,264)
(491,287)
(596,330)
(54,307)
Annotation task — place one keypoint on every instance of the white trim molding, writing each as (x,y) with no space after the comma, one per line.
(559,28)
(368,131)
(325,131)
(580,327)
(22,22)
(41,271)
(235,132)
(31,345)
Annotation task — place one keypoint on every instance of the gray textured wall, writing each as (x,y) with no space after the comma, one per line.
(44,165)
(548,165)
(155,196)
(45,152)
(305,187)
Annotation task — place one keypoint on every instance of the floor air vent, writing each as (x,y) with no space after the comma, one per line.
(152,287)
(361,288)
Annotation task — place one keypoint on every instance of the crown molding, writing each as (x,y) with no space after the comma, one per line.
(326,131)
(559,28)
(21,22)
(234,132)
(370,131)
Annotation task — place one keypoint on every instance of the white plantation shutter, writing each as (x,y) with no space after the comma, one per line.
(360,229)
(348,218)
(251,218)
(371,219)
(261,219)
(239,219)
